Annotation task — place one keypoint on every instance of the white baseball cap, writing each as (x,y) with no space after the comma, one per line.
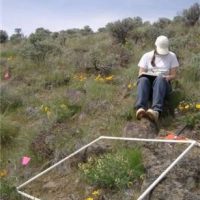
(162,45)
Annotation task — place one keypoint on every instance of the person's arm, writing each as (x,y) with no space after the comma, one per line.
(141,71)
(174,67)
(142,65)
(172,74)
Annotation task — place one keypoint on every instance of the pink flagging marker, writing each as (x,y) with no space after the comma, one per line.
(25,160)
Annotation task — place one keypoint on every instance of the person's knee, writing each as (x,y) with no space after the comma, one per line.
(143,80)
(160,80)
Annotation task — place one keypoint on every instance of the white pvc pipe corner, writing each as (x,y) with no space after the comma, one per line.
(191,142)
(56,164)
(147,140)
(27,195)
(146,192)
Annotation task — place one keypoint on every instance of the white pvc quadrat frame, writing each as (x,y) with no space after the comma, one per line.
(147,191)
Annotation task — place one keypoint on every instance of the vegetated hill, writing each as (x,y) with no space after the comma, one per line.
(60,91)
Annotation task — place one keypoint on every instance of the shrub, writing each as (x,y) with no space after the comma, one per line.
(148,33)
(173,100)
(114,170)
(192,120)
(97,61)
(179,43)
(8,53)
(56,79)
(8,192)
(62,38)
(60,110)
(192,71)
(39,51)
(3,36)
(98,57)
(121,29)
(102,29)
(9,100)
(17,37)
(39,46)
(162,22)
(124,56)
(178,19)
(86,30)
(39,35)
(8,130)
(192,14)
(64,112)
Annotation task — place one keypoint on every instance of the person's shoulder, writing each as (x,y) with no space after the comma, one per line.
(172,54)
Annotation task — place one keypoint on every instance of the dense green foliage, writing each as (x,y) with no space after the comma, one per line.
(3,36)
(121,29)
(192,15)
(8,192)
(114,170)
(8,130)
(9,100)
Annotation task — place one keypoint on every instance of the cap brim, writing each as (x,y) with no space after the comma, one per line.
(162,51)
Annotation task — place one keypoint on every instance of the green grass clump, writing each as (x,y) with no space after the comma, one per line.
(8,192)
(9,100)
(55,79)
(114,170)
(99,90)
(59,110)
(65,112)
(192,120)
(7,54)
(8,130)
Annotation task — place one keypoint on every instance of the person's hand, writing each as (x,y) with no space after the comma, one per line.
(167,77)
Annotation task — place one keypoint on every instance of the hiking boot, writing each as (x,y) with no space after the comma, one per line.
(153,115)
(140,113)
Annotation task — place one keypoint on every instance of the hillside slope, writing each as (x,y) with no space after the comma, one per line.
(65,91)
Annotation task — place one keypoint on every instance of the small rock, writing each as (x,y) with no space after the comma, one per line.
(49,185)
(75,96)
(31,111)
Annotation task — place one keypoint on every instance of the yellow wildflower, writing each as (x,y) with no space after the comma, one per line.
(10,58)
(89,198)
(130,184)
(187,106)
(181,108)
(197,105)
(48,114)
(63,106)
(82,78)
(75,76)
(96,192)
(46,109)
(42,107)
(109,78)
(129,86)
(101,79)
(3,173)
(98,77)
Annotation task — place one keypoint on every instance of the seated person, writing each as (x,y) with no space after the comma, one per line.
(156,69)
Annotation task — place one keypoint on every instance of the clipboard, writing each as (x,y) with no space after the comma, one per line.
(150,76)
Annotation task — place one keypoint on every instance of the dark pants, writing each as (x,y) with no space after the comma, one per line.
(156,88)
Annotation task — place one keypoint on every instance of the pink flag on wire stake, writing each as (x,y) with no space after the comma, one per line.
(25,160)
